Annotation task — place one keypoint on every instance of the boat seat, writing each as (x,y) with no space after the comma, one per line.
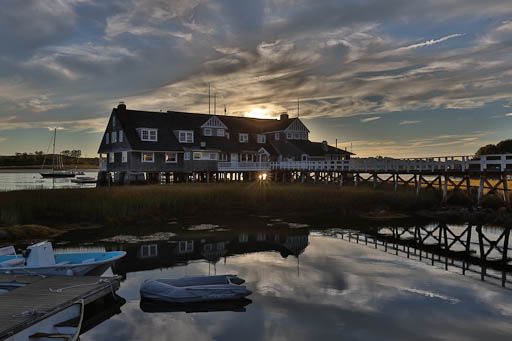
(12,263)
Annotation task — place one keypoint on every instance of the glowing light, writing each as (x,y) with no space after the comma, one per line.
(262,177)
(258,113)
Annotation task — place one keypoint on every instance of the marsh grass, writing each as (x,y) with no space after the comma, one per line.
(132,203)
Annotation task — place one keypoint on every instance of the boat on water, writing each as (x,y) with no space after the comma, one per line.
(84,180)
(41,260)
(63,325)
(195,289)
(57,170)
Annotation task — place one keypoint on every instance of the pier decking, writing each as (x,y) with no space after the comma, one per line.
(38,297)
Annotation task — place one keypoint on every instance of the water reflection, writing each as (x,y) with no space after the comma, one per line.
(343,291)
(149,306)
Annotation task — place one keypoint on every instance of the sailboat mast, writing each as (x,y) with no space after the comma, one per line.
(53,153)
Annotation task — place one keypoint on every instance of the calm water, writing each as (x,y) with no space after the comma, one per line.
(306,285)
(10,181)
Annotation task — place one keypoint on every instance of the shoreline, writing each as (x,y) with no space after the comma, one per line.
(35,169)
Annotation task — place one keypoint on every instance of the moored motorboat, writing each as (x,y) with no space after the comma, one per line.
(195,289)
(84,180)
(40,259)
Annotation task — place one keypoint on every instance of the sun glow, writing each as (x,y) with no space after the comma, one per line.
(258,113)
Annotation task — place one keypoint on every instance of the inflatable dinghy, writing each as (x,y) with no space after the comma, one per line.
(195,289)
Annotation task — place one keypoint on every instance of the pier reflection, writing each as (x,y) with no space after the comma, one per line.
(470,249)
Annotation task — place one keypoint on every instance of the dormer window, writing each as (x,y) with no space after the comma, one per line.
(243,138)
(207,131)
(147,134)
(221,132)
(107,138)
(114,137)
(186,136)
(262,138)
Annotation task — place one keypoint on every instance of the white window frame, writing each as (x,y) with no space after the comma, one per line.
(186,156)
(149,134)
(111,157)
(276,136)
(243,138)
(215,156)
(124,157)
(107,138)
(221,132)
(186,246)
(167,157)
(197,155)
(113,138)
(149,251)
(147,161)
(289,136)
(262,138)
(121,136)
(207,132)
(186,136)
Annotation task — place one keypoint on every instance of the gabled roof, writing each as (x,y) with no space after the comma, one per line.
(168,122)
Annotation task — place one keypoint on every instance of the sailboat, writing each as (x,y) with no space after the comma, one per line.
(57,170)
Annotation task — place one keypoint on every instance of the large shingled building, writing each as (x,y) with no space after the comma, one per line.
(142,146)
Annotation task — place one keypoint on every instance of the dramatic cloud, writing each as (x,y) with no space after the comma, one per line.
(71,61)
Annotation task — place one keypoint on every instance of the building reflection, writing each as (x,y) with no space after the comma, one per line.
(212,248)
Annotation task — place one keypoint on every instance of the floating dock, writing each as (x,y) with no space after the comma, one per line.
(37,297)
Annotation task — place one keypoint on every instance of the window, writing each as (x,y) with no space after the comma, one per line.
(114,121)
(197,155)
(114,137)
(111,157)
(150,250)
(223,156)
(186,136)
(243,138)
(186,156)
(107,138)
(304,157)
(124,157)
(121,136)
(148,134)
(213,156)
(207,131)
(186,246)
(262,138)
(296,136)
(220,132)
(171,157)
(148,157)
(289,136)
(276,136)
(304,136)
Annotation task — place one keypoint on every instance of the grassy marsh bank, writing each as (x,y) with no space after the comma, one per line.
(119,205)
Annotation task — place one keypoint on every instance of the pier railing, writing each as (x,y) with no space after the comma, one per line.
(324,165)
(243,166)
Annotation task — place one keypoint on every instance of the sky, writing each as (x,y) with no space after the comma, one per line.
(395,78)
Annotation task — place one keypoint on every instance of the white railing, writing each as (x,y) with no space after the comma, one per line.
(340,165)
(501,162)
(243,166)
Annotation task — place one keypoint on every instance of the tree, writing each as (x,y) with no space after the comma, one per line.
(503,147)
(76,153)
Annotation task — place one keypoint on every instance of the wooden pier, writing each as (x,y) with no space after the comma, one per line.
(37,297)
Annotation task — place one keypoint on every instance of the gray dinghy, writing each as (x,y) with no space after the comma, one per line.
(195,289)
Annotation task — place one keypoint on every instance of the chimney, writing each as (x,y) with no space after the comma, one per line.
(283,116)
(121,106)
(325,146)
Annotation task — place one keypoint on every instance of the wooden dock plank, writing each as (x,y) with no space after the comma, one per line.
(36,296)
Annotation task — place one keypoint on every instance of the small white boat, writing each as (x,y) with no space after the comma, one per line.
(40,259)
(63,325)
(84,180)
(195,289)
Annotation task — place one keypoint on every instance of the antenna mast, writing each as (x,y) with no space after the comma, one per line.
(209,105)
(215,103)
(298,107)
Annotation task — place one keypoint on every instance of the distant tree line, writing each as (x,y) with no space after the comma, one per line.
(503,147)
(37,158)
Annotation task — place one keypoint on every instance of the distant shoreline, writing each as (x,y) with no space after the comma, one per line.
(31,169)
